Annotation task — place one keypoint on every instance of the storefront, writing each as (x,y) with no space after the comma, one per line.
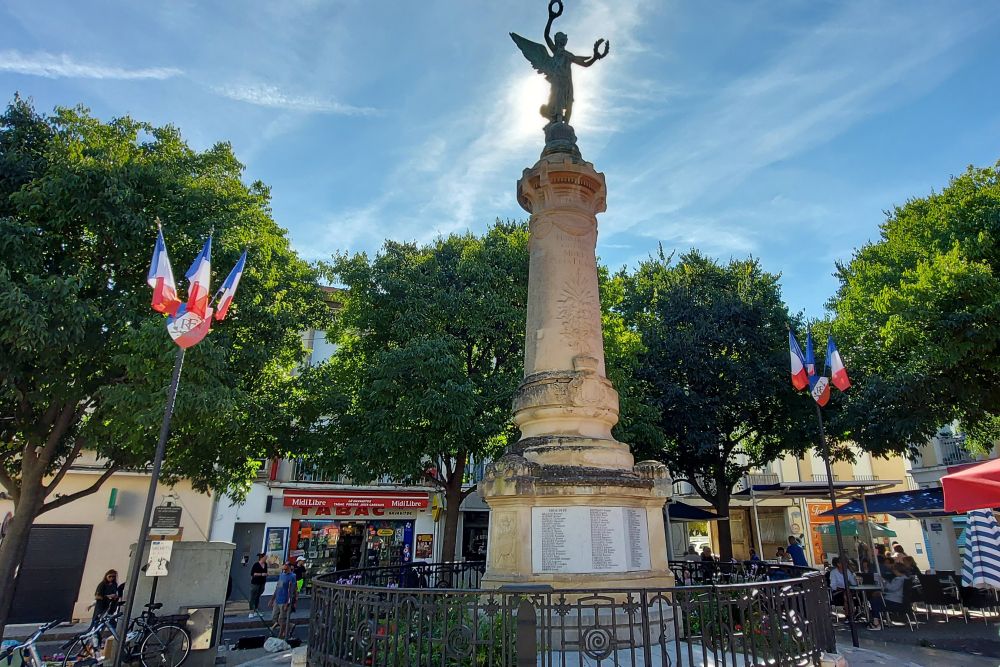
(341,530)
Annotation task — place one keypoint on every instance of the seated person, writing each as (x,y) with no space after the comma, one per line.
(894,590)
(837,585)
(909,565)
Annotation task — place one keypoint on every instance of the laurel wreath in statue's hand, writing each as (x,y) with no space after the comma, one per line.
(553,13)
(598,54)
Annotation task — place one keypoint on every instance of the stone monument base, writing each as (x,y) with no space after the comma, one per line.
(574,527)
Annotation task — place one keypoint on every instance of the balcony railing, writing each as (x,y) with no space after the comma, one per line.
(953,451)
(308,471)
(823,478)
(757,479)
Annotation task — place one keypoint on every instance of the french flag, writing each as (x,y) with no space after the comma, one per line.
(800,379)
(838,372)
(228,289)
(199,277)
(810,358)
(161,279)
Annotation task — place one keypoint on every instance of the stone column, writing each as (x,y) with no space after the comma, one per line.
(569,507)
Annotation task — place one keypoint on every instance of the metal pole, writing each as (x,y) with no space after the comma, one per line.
(807,530)
(848,603)
(670,534)
(871,538)
(136,564)
(756,520)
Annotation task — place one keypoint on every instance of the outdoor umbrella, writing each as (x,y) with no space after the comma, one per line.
(981,567)
(973,488)
(854,527)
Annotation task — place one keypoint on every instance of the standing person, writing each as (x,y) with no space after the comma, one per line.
(797,553)
(284,593)
(780,555)
(753,555)
(107,595)
(258,578)
(300,573)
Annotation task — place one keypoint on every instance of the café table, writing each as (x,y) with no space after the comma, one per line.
(865,590)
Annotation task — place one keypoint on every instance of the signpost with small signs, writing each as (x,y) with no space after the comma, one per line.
(166,520)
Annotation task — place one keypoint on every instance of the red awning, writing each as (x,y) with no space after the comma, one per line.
(975,487)
(380,499)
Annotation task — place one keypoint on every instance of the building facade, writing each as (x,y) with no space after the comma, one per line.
(763,521)
(945,453)
(70,548)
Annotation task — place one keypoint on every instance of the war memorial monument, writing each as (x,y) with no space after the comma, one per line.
(576,570)
(568,505)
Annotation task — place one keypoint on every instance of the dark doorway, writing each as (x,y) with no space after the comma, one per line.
(475,526)
(352,537)
(249,540)
(48,584)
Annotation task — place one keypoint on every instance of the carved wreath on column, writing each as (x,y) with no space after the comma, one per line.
(579,313)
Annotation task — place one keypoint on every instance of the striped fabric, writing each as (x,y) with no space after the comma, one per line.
(981,567)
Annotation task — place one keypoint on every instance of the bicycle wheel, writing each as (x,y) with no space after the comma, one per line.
(79,652)
(165,646)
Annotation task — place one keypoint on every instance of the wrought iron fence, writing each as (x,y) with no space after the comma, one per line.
(463,575)
(785,622)
(698,572)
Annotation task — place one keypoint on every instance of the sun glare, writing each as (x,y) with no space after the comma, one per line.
(528,93)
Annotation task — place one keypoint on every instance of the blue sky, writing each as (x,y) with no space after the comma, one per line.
(778,129)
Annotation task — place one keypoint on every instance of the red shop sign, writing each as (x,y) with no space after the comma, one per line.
(355,499)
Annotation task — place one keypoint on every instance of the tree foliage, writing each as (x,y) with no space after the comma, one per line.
(713,367)
(918,318)
(430,350)
(84,361)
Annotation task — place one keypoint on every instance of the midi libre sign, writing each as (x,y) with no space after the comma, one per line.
(357,501)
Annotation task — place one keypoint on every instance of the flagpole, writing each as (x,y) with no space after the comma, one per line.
(848,602)
(136,564)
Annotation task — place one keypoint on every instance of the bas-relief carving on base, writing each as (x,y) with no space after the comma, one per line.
(504,540)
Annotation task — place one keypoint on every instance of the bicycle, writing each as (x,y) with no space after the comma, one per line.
(30,656)
(152,640)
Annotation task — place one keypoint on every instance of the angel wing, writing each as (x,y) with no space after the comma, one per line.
(536,54)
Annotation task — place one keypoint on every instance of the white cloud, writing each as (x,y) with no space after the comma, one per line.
(271,96)
(58,66)
(823,82)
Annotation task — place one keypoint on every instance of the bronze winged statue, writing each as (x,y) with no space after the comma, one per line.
(557,66)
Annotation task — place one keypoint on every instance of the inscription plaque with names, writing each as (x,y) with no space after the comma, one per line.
(589,540)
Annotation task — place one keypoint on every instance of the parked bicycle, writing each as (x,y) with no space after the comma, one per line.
(30,656)
(154,641)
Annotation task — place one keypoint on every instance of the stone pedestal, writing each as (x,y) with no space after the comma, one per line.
(569,506)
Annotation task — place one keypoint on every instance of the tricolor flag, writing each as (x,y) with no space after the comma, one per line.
(838,372)
(799,377)
(161,279)
(810,358)
(228,289)
(200,275)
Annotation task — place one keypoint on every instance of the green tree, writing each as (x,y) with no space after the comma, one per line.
(713,364)
(430,350)
(918,320)
(84,361)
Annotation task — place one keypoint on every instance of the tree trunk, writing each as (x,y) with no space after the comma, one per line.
(452,503)
(725,531)
(15,544)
